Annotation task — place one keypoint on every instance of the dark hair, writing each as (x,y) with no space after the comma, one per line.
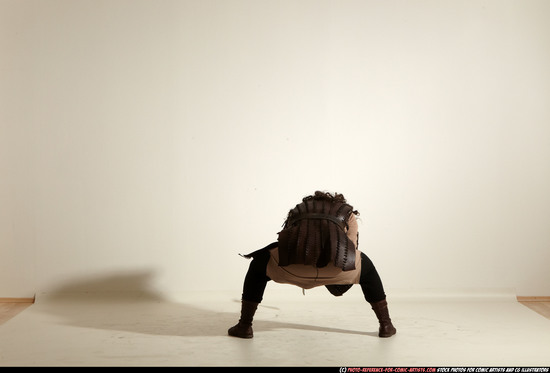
(327,196)
(324,196)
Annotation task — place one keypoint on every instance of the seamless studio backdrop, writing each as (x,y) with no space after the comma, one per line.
(144,144)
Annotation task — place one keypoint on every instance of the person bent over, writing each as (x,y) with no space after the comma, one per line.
(318,246)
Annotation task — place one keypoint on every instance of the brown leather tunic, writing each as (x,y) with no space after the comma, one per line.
(308,276)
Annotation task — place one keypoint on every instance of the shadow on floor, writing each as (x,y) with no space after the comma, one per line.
(124,303)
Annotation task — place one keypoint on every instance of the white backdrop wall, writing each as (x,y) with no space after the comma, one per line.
(144,144)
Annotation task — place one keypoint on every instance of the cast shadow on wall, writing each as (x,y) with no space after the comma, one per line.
(125,302)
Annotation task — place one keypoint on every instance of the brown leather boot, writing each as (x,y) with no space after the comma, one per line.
(382,313)
(244,328)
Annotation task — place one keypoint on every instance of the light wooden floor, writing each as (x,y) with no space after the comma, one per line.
(10,309)
(541,307)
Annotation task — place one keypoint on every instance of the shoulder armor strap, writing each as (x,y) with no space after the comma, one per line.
(339,220)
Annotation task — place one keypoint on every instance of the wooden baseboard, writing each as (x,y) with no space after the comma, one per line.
(533,299)
(16,300)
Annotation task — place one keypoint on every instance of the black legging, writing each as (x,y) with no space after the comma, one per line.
(256,279)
